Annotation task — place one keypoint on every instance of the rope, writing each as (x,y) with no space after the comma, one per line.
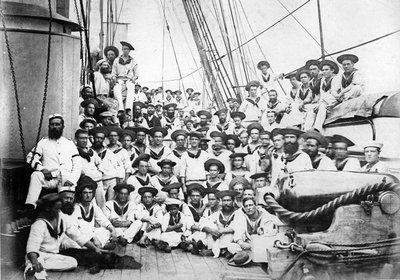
(14,81)
(163,51)
(119,16)
(345,199)
(268,28)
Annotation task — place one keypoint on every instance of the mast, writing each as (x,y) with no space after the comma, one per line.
(203,57)
(101,35)
(321,35)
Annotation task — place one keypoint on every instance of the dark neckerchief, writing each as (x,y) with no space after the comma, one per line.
(327,85)
(197,155)
(315,84)
(55,233)
(303,94)
(117,150)
(156,156)
(266,77)
(222,127)
(226,222)
(315,163)
(124,62)
(143,182)
(341,165)
(87,218)
(151,209)
(174,221)
(195,214)
(250,228)
(214,186)
(273,105)
(102,154)
(253,102)
(347,79)
(177,154)
(86,155)
(120,210)
(138,149)
(162,183)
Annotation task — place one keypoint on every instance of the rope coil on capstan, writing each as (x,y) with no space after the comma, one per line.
(345,199)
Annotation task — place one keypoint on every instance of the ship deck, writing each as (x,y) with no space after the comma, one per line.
(159,266)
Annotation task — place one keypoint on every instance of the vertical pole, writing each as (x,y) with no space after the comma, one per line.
(321,35)
(101,35)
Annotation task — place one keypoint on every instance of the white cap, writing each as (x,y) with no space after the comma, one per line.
(374,144)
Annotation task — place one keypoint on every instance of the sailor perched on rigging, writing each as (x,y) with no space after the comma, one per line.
(125,71)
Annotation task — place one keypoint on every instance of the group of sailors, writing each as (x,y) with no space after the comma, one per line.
(151,167)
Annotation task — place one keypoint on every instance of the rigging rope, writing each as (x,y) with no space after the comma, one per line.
(117,22)
(82,75)
(268,28)
(14,81)
(173,49)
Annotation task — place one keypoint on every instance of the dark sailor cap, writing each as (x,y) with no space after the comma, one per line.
(336,138)
(111,48)
(331,64)
(353,58)
(126,44)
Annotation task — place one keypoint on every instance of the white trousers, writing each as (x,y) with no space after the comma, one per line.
(154,234)
(36,184)
(53,262)
(129,232)
(130,91)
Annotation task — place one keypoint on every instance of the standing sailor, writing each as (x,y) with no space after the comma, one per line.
(125,72)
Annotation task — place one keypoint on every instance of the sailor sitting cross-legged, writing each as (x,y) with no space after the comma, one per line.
(89,214)
(218,226)
(45,238)
(122,214)
(151,214)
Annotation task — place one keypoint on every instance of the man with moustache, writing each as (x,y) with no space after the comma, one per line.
(170,122)
(319,161)
(218,150)
(218,226)
(223,125)
(151,118)
(55,161)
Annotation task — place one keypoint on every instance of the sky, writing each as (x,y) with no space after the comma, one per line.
(286,46)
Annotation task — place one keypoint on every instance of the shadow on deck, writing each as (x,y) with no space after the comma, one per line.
(161,266)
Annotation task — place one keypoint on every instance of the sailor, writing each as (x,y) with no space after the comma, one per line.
(212,205)
(89,108)
(46,234)
(140,178)
(109,160)
(204,118)
(170,122)
(237,118)
(137,116)
(269,121)
(218,150)
(238,167)
(88,124)
(158,150)
(372,152)
(223,125)
(253,221)
(342,160)
(55,161)
(151,118)
(233,105)
(329,96)
(204,144)
(139,145)
(179,136)
(164,178)
(316,76)
(214,167)
(232,142)
(253,106)
(107,118)
(274,104)
(353,83)
(191,160)
(244,146)
(124,167)
(92,165)
(265,77)
(259,160)
(151,214)
(218,226)
(196,240)
(102,80)
(254,130)
(174,226)
(123,215)
(91,219)
(329,151)
(293,91)
(314,140)
(125,72)
(111,53)
(239,184)
(128,136)
(261,186)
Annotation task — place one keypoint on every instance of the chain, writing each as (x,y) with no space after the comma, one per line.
(80,41)
(14,80)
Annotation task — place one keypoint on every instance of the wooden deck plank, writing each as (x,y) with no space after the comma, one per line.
(148,259)
(200,268)
(215,266)
(184,269)
(134,251)
(166,265)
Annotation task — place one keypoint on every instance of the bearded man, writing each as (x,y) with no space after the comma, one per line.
(55,161)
